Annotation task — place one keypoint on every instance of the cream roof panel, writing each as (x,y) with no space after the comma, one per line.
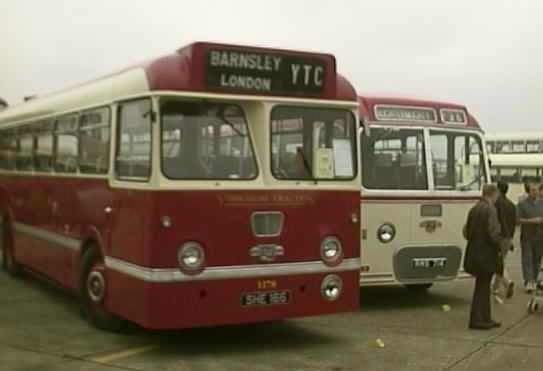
(105,90)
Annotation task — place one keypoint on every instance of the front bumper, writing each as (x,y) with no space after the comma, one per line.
(170,305)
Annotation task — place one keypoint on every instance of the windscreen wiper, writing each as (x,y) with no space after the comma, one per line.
(467,187)
(237,131)
(223,118)
(306,165)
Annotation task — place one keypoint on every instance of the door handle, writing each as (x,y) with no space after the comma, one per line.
(108,210)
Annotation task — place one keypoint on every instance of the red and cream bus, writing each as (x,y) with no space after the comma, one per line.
(423,165)
(215,185)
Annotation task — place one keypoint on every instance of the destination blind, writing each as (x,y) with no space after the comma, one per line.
(265,73)
(399,113)
(453,116)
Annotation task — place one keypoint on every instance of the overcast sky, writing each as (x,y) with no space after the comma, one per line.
(485,54)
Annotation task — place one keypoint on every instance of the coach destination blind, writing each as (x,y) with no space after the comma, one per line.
(262,72)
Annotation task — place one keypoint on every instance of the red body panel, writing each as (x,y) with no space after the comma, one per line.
(176,305)
(220,220)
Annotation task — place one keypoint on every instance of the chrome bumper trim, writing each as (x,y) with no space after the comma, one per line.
(228,272)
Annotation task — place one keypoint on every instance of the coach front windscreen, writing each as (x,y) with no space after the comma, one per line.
(202,140)
(396,159)
(457,161)
(312,143)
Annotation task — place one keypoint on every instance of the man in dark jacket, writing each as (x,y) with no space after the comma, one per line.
(507,215)
(483,232)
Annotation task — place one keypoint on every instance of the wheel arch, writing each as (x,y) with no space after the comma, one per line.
(92,240)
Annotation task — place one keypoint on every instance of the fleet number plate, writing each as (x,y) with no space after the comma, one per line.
(253,299)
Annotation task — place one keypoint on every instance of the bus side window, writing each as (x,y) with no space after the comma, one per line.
(8,149)
(43,155)
(133,153)
(94,141)
(24,159)
(66,158)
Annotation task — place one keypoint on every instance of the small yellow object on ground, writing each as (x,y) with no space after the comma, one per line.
(123,354)
(446,308)
(378,343)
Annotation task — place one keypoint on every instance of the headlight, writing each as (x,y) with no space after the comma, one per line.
(191,257)
(331,287)
(331,251)
(386,233)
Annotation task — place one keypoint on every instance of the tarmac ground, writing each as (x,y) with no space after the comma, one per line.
(40,329)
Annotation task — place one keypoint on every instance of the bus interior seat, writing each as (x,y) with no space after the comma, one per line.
(407,160)
(225,167)
(383,174)
(189,166)
(383,160)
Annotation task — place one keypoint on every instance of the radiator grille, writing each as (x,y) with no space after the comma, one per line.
(267,224)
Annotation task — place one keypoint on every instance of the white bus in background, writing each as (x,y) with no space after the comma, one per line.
(514,143)
(421,173)
(516,158)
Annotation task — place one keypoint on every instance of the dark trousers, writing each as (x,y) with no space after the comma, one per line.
(532,253)
(480,305)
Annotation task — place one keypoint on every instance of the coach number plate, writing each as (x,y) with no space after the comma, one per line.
(429,262)
(254,299)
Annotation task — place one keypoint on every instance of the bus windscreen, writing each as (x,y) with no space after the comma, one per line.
(313,143)
(394,159)
(206,141)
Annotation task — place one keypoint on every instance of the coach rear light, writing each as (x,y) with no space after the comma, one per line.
(191,257)
(386,232)
(331,251)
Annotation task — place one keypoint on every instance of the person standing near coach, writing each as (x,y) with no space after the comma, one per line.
(483,233)
(524,196)
(507,216)
(530,213)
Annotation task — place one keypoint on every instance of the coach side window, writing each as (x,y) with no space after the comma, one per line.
(67,144)
(8,149)
(43,156)
(133,152)
(94,136)
(26,148)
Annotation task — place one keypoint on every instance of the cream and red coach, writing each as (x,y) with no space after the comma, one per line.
(215,185)
(423,165)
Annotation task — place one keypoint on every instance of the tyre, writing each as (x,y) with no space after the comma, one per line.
(9,264)
(420,288)
(93,292)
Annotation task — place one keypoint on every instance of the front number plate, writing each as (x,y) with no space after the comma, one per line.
(429,262)
(254,299)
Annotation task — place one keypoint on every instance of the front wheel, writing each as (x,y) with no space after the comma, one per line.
(9,263)
(93,288)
